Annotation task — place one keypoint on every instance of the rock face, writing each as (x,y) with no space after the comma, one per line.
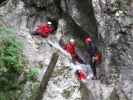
(115,28)
(63,85)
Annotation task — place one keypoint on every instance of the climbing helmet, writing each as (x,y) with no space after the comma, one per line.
(88,40)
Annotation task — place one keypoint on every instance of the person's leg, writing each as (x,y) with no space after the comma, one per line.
(93,66)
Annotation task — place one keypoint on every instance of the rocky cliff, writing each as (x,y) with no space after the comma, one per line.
(113,30)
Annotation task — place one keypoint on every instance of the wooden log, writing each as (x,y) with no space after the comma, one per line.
(46,77)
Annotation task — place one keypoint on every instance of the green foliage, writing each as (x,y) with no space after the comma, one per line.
(11,62)
(34,72)
(11,95)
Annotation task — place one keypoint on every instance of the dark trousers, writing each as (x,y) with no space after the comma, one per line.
(93,66)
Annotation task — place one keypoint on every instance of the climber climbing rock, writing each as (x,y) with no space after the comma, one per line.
(44,29)
(70,47)
(95,55)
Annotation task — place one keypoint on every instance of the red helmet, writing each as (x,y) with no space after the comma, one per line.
(88,40)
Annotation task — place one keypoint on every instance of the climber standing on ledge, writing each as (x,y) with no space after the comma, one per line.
(70,47)
(95,55)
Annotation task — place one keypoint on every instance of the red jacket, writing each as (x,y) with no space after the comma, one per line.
(82,75)
(70,48)
(44,30)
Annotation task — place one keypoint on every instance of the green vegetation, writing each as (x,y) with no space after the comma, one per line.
(33,73)
(12,64)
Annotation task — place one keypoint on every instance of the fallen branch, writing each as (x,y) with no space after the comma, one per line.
(46,77)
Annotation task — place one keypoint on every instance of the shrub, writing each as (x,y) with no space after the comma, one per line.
(12,61)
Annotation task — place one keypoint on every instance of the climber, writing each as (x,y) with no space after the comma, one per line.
(45,29)
(70,47)
(82,71)
(95,55)
(91,47)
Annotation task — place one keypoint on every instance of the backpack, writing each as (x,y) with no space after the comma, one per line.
(98,57)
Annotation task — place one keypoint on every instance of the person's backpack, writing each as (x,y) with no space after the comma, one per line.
(98,57)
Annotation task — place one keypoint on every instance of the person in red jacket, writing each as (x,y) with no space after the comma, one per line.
(44,29)
(70,47)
